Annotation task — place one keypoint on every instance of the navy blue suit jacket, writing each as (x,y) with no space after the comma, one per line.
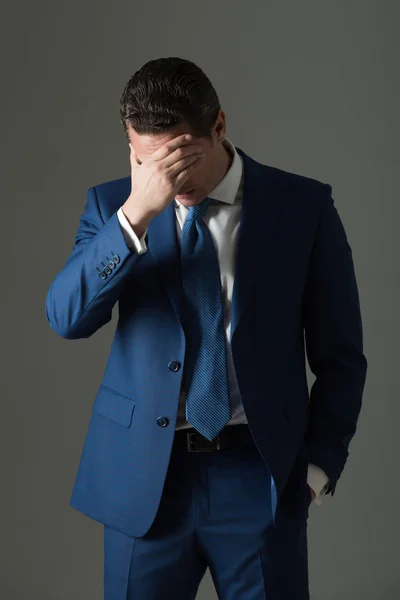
(294,291)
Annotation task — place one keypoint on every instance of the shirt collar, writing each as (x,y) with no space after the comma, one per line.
(226,189)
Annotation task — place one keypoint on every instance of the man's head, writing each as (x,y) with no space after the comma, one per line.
(166,98)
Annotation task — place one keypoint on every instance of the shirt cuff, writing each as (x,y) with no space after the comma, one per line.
(316,479)
(132,241)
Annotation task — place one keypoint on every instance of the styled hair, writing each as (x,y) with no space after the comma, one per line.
(166,92)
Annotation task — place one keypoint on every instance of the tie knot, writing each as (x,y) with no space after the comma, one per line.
(196,212)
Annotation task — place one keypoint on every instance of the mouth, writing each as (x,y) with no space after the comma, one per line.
(187,193)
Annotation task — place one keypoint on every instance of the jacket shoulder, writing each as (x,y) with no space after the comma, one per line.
(298,190)
(294,181)
(112,194)
(286,183)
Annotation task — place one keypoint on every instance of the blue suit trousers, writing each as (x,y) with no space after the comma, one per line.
(215,512)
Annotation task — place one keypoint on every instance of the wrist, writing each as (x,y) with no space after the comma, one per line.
(137,220)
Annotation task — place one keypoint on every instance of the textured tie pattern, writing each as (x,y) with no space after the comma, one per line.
(205,375)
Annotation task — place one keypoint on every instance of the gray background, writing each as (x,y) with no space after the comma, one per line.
(310,87)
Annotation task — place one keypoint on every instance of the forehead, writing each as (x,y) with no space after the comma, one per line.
(146,144)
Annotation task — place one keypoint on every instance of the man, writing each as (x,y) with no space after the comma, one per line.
(205,447)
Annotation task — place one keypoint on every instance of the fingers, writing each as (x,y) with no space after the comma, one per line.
(184,171)
(185,164)
(174,156)
(170,146)
(180,154)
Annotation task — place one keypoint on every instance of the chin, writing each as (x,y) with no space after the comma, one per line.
(190,198)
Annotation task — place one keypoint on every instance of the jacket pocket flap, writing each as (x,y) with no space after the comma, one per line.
(114,406)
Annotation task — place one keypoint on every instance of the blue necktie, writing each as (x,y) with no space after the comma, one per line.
(206,378)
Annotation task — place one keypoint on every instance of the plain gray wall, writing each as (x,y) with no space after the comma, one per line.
(309,87)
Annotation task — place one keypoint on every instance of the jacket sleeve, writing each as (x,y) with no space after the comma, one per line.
(81,297)
(334,345)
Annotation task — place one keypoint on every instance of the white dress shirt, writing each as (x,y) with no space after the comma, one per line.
(223,222)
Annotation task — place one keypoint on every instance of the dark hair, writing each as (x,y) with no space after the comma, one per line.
(166,92)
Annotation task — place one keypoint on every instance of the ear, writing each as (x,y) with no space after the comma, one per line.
(220,127)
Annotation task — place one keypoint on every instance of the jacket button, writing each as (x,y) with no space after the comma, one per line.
(115,259)
(174,365)
(102,275)
(162,421)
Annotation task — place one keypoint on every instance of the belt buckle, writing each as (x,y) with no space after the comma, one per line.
(215,444)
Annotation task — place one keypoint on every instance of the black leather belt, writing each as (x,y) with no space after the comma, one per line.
(229,437)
